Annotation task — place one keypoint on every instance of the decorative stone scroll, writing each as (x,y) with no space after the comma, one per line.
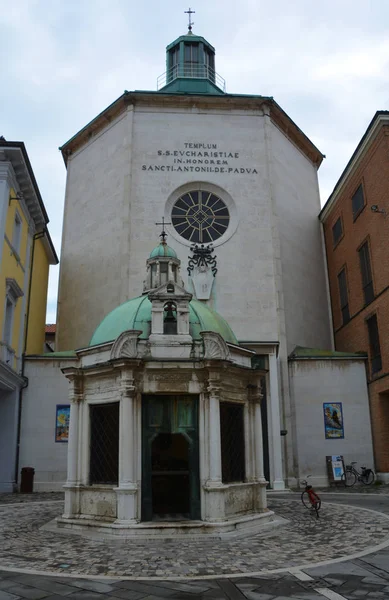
(215,348)
(126,345)
(202,268)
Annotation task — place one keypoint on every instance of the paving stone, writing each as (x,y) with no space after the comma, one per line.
(7,596)
(258,596)
(25,591)
(85,595)
(48,584)
(91,585)
(5,584)
(126,594)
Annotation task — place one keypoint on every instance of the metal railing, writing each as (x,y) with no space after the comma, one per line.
(191,71)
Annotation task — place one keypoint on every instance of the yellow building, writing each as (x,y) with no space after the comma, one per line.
(26,252)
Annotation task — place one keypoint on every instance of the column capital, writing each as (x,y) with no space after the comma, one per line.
(76,390)
(255,394)
(213,389)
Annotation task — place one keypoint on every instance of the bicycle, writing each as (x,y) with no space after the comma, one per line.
(309,498)
(351,475)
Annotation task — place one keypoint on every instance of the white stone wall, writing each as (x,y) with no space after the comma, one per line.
(113,202)
(94,263)
(47,387)
(313,382)
(296,193)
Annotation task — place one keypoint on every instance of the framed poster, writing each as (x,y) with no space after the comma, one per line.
(335,468)
(62,416)
(333,420)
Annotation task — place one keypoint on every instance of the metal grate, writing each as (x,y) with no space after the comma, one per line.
(104,443)
(232,442)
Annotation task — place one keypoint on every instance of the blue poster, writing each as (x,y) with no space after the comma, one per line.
(333,420)
(62,418)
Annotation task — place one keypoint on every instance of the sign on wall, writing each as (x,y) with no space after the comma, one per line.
(335,468)
(333,420)
(62,418)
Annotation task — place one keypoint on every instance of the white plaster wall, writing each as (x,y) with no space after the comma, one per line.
(296,193)
(92,257)
(313,382)
(112,205)
(9,401)
(47,387)
(244,289)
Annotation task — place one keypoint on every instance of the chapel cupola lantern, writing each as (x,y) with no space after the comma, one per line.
(190,66)
(163,266)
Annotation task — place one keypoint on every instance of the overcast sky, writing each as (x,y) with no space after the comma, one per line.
(64,61)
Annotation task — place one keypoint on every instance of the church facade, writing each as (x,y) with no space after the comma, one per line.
(233,182)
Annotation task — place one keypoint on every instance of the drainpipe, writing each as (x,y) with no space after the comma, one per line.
(35,237)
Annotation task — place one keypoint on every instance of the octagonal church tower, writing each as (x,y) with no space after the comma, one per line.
(235,181)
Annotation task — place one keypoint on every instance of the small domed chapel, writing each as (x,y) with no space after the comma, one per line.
(189,378)
(170,416)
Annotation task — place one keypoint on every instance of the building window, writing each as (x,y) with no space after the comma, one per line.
(367,279)
(17,233)
(232,442)
(358,202)
(104,443)
(200,216)
(191,60)
(374,343)
(342,282)
(337,231)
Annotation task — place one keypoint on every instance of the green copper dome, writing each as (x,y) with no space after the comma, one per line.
(136,314)
(163,250)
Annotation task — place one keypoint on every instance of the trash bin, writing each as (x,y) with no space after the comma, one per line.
(27,480)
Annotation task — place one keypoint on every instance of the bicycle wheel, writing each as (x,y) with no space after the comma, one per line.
(369,477)
(305,500)
(349,478)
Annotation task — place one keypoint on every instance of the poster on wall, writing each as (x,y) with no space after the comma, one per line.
(333,420)
(62,417)
(335,468)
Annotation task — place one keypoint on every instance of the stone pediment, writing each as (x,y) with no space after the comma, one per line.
(170,291)
(215,348)
(126,345)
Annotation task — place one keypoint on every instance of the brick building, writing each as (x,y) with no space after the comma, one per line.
(356,231)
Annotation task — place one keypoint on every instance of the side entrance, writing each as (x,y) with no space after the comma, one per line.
(170,458)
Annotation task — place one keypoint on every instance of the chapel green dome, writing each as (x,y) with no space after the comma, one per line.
(136,314)
(163,250)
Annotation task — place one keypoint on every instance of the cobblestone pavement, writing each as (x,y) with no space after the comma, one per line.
(366,577)
(339,532)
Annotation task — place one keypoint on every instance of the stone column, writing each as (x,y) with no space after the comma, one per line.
(127,490)
(256,398)
(275,424)
(72,486)
(215,510)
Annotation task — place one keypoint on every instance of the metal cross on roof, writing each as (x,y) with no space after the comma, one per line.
(163,234)
(190,12)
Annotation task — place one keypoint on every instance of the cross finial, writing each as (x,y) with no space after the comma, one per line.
(190,12)
(163,234)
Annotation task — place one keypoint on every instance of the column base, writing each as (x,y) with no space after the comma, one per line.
(126,499)
(278,484)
